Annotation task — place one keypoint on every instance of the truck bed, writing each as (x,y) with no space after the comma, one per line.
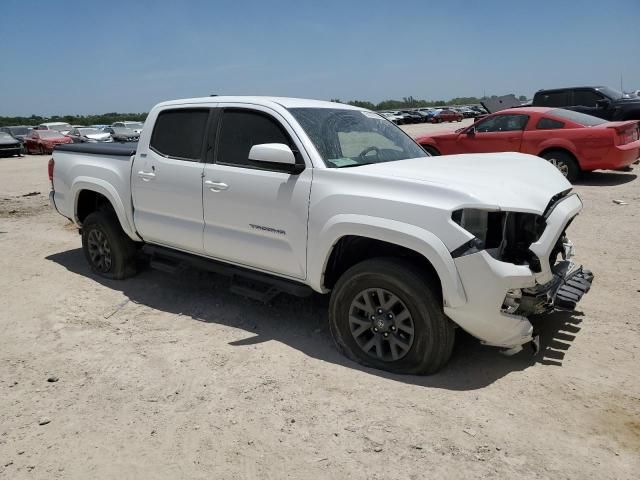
(112,149)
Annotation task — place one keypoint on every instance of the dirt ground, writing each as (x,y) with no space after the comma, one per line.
(171,376)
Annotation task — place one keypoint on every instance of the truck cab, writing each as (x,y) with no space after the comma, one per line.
(603,102)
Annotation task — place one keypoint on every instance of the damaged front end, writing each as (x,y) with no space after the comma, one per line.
(529,257)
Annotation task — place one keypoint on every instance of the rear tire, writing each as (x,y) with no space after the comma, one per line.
(386,314)
(565,163)
(108,250)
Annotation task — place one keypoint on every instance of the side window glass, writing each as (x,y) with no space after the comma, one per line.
(241,130)
(586,98)
(502,123)
(548,124)
(554,99)
(180,133)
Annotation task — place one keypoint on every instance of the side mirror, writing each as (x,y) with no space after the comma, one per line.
(276,154)
(471,131)
(603,103)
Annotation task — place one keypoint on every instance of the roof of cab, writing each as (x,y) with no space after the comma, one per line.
(286,102)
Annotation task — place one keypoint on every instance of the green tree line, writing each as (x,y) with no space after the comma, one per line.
(103,119)
(410,102)
(109,118)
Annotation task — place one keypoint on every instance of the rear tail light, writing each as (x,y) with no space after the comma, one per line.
(50,166)
(627,133)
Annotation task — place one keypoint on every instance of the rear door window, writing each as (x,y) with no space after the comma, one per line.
(553,99)
(180,133)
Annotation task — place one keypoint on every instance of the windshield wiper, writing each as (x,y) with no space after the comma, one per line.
(358,164)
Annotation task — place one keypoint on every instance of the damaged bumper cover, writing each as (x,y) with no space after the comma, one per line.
(501,294)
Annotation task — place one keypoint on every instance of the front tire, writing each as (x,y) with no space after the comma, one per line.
(109,251)
(565,163)
(385,313)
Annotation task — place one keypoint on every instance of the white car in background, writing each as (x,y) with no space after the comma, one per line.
(135,126)
(394,117)
(61,127)
(89,135)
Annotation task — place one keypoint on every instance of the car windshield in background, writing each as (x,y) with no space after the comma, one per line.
(133,125)
(89,131)
(5,136)
(49,134)
(60,128)
(349,138)
(19,130)
(581,118)
(612,93)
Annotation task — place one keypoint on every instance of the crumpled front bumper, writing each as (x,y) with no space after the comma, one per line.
(486,281)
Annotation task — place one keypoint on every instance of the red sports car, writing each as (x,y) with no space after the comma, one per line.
(446,115)
(43,141)
(572,141)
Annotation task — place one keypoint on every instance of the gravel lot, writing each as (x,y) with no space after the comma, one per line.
(165,376)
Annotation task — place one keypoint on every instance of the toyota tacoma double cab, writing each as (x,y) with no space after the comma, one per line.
(293,195)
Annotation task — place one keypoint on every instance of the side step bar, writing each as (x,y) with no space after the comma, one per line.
(248,283)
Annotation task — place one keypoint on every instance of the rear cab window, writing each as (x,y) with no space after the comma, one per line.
(180,133)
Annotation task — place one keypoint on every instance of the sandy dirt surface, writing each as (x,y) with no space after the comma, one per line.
(172,376)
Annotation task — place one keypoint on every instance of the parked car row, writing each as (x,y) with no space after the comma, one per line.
(432,115)
(41,139)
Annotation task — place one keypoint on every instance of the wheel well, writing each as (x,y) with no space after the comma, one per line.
(353,249)
(89,202)
(561,150)
(430,149)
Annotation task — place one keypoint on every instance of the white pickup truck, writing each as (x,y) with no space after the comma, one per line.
(293,195)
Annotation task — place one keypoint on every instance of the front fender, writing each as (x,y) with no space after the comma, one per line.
(398,233)
(427,141)
(108,191)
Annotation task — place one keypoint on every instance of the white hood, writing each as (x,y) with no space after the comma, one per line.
(508,181)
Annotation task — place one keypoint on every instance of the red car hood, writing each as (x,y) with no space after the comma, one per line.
(56,140)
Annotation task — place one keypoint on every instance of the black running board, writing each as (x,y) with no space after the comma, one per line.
(248,283)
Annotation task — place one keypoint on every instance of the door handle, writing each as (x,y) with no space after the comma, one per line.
(216,186)
(146,176)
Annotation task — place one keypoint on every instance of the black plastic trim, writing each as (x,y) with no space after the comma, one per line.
(284,285)
(113,149)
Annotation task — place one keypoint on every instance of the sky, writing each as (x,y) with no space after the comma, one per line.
(63,57)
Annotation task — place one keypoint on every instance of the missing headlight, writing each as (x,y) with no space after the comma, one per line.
(507,235)
(485,226)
